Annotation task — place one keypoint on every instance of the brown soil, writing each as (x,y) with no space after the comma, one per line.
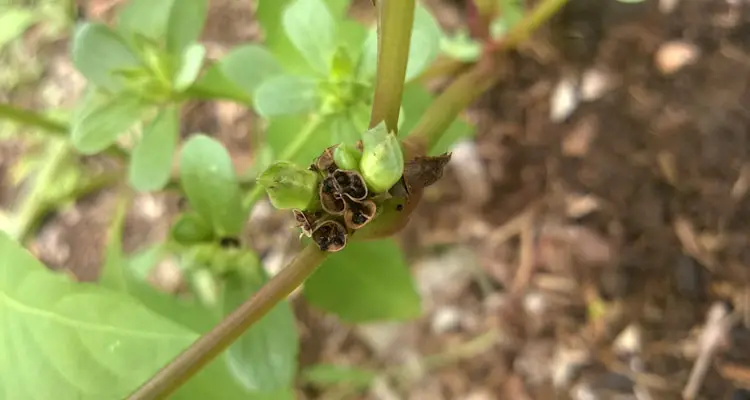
(635,202)
(627,214)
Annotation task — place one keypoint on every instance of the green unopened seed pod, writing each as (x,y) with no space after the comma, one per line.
(382,163)
(191,228)
(290,186)
(347,157)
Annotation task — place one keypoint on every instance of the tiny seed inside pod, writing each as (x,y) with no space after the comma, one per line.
(330,236)
(359,213)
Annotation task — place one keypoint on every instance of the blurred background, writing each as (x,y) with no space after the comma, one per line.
(589,242)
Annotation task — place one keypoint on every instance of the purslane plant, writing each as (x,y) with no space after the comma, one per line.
(350,143)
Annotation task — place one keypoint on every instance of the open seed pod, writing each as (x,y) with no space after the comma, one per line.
(330,197)
(306,221)
(325,162)
(358,213)
(351,183)
(330,236)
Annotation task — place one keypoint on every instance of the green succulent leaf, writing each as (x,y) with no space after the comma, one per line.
(104,345)
(424,46)
(145,17)
(312,30)
(425,43)
(99,54)
(286,94)
(186,21)
(99,119)
(151,160)
(191,228)
(283,131)
(347,157)
(208,179)
(214,84)
(352,284)
(175,24)
(248,66)
(382,163)
(126,276)
(191,62)
(343,128)
(290,186)
(263,359)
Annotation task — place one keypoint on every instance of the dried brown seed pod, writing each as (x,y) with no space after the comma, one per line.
(325,163)
(351,183)
(359,213)
(424,171)
(330,236)
(330,197)
(306,221)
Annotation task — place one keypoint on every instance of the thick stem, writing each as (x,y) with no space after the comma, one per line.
(531,22)
(37,204)
(55,128)
(31,118)
(213,343)
(446,107)
(36,201)
(395,20)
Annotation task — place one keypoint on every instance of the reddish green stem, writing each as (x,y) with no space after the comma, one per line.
(213,343)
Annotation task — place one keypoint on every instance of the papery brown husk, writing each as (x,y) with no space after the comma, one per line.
(351,183)
(330,236)
(306,220)
(355,210)
(325,163)
(424,171)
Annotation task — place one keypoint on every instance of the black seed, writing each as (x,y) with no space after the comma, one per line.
(229,242)
(400,207)
(359,219)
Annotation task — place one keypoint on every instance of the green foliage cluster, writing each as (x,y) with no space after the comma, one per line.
(311,80)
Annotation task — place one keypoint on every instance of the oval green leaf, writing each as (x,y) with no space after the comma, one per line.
(424,46)
(312,30)
(151,160)
(191,228)
(103,344)
(174,24)
(208,179)
(248,66)
(286,94)
(365,282)
(98,53)
(186,21)
(190,66)
(99,119)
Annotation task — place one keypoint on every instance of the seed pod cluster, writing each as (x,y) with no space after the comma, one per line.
(345,203)
(348,186)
